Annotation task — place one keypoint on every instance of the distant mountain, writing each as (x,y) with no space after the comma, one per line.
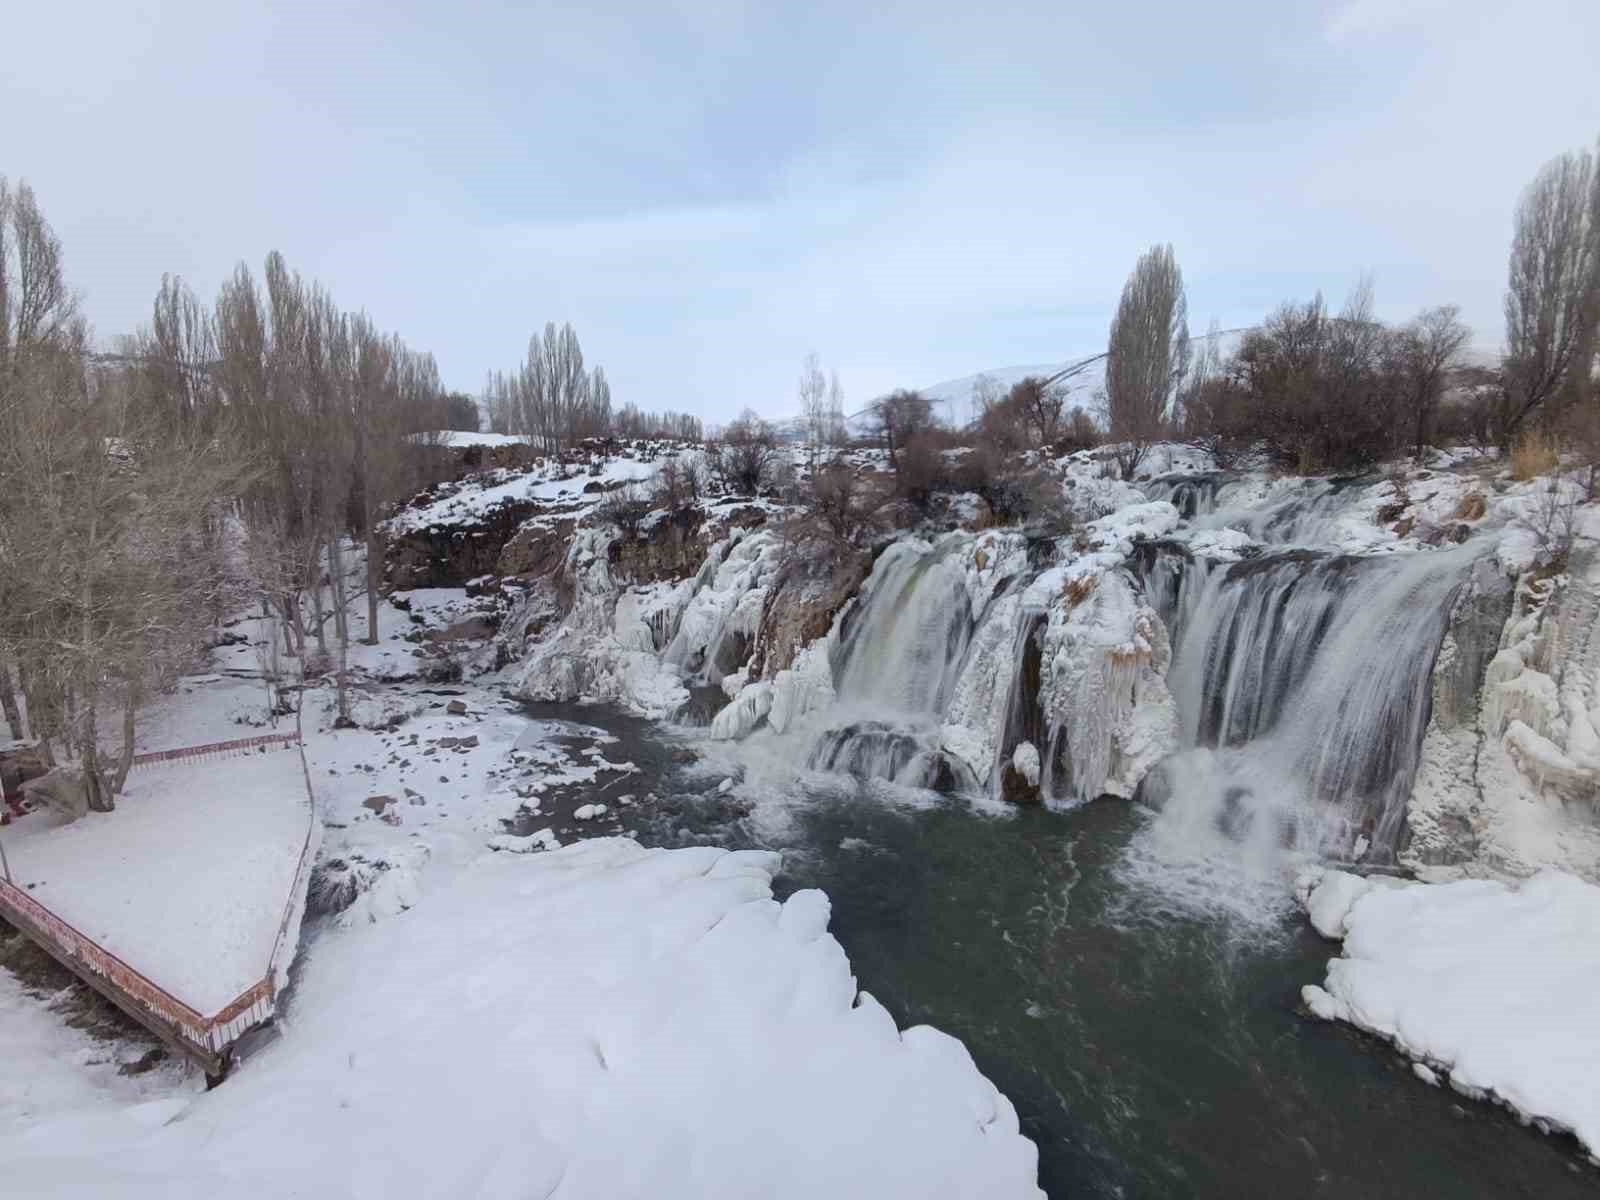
(952,399)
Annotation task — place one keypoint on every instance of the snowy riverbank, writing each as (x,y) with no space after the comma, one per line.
(604,1020)
(1487,985)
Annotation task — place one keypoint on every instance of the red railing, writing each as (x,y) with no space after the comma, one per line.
(216,749)
(210,1035)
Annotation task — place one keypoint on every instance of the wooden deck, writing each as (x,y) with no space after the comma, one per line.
(204,1038)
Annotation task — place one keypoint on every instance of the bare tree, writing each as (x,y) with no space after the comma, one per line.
(1423,354)
(1553,295)
(1147,355)
(900,417)
(1041,405)
(461,412)
(744,457)
(835,433)
(813,405)
(986,393)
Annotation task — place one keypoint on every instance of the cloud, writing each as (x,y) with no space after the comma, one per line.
(710,190)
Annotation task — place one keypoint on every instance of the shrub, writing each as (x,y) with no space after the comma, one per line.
(838,505)
(625,507)
(1534,454)
(745,455)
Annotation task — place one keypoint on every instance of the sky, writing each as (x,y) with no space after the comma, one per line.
(710,191)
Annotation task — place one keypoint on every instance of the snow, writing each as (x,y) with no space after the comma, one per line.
(1491,983)
(458,439)
(553,484)
(1120,529)
(187,880)
(1025,758)
(596,1021)
(51,1067)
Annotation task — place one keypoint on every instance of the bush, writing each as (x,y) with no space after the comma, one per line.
(625,507)
(1534,454)
(920,471)
(838,505)
(744,457)
(677,485)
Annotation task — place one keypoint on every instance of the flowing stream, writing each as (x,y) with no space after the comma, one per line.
(1151,1049)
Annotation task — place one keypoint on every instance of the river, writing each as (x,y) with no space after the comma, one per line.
(1152,1049)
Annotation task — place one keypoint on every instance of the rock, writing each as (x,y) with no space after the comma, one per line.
(1015,788)
(1390,513)
(378,803)
(538,548)
(62,790)
(588,812)
(470,629)
(1472,507)
(456,708)
(448,743)
(800,607)
(417,801)
(468,742)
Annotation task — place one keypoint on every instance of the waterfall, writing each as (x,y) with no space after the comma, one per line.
(1299,513)
(900,653)
(1192,495)
(1303,685)
(910,633)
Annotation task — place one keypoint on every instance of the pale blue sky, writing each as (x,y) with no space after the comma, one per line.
(708,191)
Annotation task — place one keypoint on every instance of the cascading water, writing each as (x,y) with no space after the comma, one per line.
(1300,513)
(1192,495)
(1302,682)
(900,653)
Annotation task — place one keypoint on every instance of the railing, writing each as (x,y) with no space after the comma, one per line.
(231,749)
(204,1037)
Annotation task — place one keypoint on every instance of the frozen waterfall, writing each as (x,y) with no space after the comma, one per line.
(1303,685)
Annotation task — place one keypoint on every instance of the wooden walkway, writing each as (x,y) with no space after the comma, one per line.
(206,1039)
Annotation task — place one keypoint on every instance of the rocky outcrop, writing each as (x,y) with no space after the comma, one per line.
(537,549)
(801,605)
(671,548)
(1447,795)
(448,555)
(1510,775)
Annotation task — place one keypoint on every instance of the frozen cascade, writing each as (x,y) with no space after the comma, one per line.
(1303,685)
(718,622)
(898,659)
(1301,512)
(1192,495)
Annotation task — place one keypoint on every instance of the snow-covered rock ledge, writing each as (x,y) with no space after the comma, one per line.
(600,1021)
(1493,985)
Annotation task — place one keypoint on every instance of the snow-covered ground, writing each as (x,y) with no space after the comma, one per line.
(1492,985)
(187,881)
(595,1021)
(601,1021)
(52,1069)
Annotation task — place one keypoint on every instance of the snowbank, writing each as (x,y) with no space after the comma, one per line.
(598,1021)
(1494,984)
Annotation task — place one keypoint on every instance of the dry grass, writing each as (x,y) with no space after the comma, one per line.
(1077,589)
(1472,507)
(1534,454)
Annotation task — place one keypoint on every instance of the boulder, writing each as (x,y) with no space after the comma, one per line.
(62,790)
